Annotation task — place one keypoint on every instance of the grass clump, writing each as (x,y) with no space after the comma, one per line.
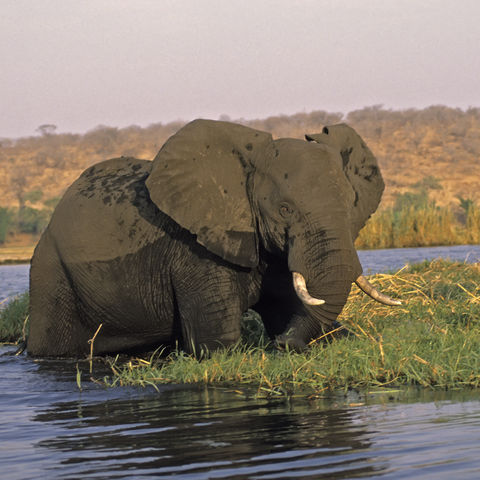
(432,341)
(416,221)
(12,319)
(412,227)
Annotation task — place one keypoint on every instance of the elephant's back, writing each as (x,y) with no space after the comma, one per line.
(106,213)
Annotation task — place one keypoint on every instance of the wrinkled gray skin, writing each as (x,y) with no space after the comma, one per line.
(178,248)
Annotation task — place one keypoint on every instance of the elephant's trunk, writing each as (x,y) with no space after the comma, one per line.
(328,264)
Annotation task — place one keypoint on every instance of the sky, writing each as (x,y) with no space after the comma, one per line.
(78,64)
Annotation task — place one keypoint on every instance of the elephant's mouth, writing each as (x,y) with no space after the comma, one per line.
(300,286)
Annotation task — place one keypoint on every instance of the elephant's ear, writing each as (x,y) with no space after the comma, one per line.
(199,179)
(360,167)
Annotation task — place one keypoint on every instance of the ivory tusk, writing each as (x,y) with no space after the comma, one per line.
(301,290)
(371,291)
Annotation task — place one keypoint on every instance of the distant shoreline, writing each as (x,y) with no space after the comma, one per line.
(21,261)
(14,255)
(21,255)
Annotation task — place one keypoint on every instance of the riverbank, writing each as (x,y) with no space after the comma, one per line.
(16,254)
(18,249)
(420,223)
(432,340)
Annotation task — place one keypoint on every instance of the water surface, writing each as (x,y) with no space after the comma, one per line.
(13,280)
(383,260)
(49,429)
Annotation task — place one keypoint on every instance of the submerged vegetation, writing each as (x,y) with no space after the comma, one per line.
(432,340)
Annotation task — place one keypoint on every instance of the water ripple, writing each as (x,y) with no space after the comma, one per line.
(49,429)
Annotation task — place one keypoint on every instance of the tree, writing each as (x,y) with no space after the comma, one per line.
(46,129)
(19,182)
(5,218)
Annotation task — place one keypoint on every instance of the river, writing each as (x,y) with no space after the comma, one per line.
(49,429)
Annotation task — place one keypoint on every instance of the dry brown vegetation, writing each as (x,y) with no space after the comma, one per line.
(439,144)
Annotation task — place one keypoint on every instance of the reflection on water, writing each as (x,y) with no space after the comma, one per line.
(52,430)
(192,433)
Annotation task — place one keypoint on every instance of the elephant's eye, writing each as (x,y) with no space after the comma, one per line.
(286,210)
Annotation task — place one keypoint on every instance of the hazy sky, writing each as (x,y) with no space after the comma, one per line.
(81,63)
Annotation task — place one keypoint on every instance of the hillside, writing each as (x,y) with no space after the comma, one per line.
(438,146)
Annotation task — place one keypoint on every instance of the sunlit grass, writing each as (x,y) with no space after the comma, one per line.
(433,340)
(419,227)
(16,254)
(473,225)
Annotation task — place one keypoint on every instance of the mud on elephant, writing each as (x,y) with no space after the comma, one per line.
(223,219)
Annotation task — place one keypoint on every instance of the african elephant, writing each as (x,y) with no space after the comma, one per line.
(146,253)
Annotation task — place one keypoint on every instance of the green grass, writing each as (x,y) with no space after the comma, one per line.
(12,319)
(419,226)
(432,341)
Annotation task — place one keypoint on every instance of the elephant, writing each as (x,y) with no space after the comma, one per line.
(173,251)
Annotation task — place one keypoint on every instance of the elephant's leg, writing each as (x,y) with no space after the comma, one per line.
(55,326)
(210,303)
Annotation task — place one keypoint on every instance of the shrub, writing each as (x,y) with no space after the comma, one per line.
(34,196)
(465,203)
(415,200)
(5,222)
(31,220)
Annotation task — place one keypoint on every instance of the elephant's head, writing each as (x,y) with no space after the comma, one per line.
(239,191)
